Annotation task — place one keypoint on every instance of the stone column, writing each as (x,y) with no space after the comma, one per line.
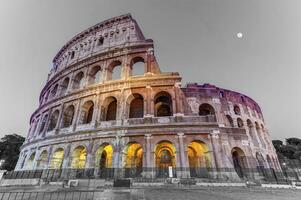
(59,119)
(116,157)
(90,163)
(96,109)
(76,114)
(148,167)
(66,162)
(183,161)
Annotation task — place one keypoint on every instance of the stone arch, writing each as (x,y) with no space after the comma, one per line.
(252,132)
(133,159)
(198,158)
(64,86)
(239,161)
(163,104)
(53,120)
(78,157)
(136,105)
(87,110)
(95,75)
(240,123)
(104,156)
(110,108)
(54,91)
(137,66)
(236,110)
(260,164)
(206,109)
(42,162)
(230,121)
(43,123)
(57,159)
(78,81)
(114,70)
(68,116)
(165,157)
(30,161)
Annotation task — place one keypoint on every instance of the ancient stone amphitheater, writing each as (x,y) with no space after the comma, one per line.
(108,111)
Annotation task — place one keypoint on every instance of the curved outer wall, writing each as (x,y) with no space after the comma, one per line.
(82,107)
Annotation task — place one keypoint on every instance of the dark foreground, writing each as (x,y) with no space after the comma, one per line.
(206,193)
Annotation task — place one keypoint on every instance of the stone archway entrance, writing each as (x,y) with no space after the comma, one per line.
(132,160)
(239,162)
(165,158)
(199,159)
(104,161)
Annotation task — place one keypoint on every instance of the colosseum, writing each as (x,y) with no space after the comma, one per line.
(108,111)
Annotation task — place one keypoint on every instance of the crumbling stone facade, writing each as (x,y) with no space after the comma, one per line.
(97,113)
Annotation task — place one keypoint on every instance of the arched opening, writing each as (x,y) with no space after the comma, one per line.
(64,86)
(236,110)
(229,121)
(78,159)
(53,91)
(239,161)
(57,159)
(133,159)
(42,162)
(199,159)
(137,66)
(53,120)
(206,109)
(44,120)
(271,169)
(240,123)
(68,116)
(111,109)
(30,161)
(163,104)
(104,160)
(100,41)
(260,164)
(252,132)
(86,112)
(95,75)
(114,70)
(78,81)
(165,158)
(136,106)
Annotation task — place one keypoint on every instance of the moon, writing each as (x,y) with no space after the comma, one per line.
(239,35)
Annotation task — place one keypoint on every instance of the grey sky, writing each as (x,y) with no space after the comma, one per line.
(194,37)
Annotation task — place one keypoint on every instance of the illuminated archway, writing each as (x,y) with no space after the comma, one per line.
(104,156)
(57,159)
(42,160)
(199,159)
(165,157)
(239,161)
(79,156)
(133,159)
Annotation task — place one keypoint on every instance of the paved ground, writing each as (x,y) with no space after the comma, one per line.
(206,193)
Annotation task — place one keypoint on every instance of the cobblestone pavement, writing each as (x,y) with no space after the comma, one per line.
(206,193)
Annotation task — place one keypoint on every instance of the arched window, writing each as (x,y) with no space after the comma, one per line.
(136,107)
(53,91)
(64,86)
(78,157)
(137,66)
(72,54)
(230,121)
(29,163)
(163,104)
(100,41)
(95,75)
(53,120)
(206,109)
(87,112)
(114,71)
(111,110)
(240,123)
(239,161)
(78,81)
(57,159)
(42,162)
(44,120)
(68,116)
(236,110)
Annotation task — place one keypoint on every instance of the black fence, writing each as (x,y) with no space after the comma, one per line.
(265,175)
